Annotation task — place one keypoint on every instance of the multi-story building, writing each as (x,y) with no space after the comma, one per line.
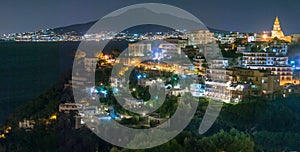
(232,85)
(261,81)
(274,62)
(285,73)
(197,90)
(227,38)
(217,63)
(139,49)
(218,79)
(241,49)
(199,37)
(136,53)
(169,49)
(217,82)
(181,42)
(263,58)
(199,62)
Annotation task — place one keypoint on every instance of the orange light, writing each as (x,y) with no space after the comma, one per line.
(265,36)
(53,117)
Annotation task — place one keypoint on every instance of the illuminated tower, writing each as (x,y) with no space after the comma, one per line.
(277,32)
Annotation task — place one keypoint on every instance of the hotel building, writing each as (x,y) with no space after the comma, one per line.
(277,64)
(200,37)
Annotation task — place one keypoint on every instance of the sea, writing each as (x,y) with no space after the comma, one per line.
(27,69)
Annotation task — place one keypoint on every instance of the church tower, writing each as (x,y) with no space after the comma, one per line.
(277,32)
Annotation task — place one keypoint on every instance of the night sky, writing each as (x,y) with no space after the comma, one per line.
(231,15)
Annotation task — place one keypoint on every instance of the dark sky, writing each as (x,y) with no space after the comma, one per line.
(232,15)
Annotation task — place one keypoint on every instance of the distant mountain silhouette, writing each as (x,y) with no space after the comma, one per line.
(81,29)
(118,21)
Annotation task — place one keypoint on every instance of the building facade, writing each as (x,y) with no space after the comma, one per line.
(277,64)
(139,49)
(233,85)
(199,37)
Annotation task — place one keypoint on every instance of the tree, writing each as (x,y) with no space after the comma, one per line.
(226,141)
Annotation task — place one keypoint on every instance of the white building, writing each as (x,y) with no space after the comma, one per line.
(169,49)
(275,62)
(197,90)
(218,63)
(263,58)
(218,79)
(198,37)
(139,49)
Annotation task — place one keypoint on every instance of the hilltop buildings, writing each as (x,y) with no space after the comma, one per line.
(261,65)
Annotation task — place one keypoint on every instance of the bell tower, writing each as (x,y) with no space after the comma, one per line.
(277,32)
(276,26)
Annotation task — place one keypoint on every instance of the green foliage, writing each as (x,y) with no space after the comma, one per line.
(277,141)
(187,142)
(226,141)
(41,107)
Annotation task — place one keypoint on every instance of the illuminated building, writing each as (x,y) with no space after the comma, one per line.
(285,72)
(263,58)
(136,53)
(270,61)
(198,62)
(182,43)
(217,82)
(228,38)
(197,90)
(261,81)
(198,37)
(169,49)
(218,79)
(67,107)
(232,85)
(28,125)
(278,33)
(218,63)
(138,49)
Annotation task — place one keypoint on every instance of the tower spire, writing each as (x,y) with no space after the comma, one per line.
(276,26)
(276,21)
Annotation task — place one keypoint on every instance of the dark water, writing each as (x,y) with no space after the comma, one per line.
(28,69)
